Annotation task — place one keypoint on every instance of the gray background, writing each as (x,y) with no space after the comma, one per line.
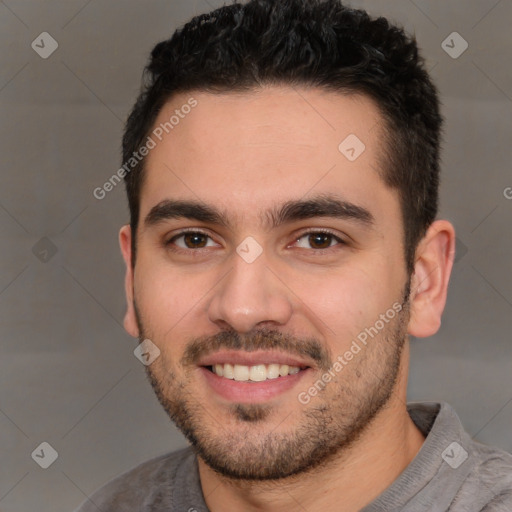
(67,371)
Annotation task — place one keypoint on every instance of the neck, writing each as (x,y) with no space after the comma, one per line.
(348,482)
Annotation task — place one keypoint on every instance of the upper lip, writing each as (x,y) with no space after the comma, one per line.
(252,358)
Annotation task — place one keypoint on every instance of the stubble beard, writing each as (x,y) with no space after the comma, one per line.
(248,445)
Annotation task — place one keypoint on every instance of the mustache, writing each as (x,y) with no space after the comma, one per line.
(261,339)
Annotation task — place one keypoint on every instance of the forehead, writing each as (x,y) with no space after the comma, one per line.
(300,119)
(245,152)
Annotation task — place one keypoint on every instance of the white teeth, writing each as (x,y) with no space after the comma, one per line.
(241,372)
(227,371)
(272,371)
(257,373)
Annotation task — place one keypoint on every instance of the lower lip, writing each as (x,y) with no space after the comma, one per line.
(251,392)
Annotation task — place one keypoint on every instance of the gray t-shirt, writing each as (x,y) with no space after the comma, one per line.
(451,472)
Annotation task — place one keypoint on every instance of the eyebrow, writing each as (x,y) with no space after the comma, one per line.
(294,210)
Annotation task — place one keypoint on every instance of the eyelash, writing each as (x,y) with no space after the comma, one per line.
(169,242)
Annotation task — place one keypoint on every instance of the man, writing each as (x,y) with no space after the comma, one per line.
(282,171)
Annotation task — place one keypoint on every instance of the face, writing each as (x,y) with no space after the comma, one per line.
(270,274)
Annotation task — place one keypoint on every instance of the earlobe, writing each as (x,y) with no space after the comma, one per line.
(130,320)
(429,284)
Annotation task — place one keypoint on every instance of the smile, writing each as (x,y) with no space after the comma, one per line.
(256,373)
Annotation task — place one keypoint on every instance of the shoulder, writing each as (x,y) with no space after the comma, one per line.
(494,471)
(489,483)
(495,465)
(464,474)
(148,483)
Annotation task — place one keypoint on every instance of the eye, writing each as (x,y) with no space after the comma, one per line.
(319,239)
(316,240)
(191,240)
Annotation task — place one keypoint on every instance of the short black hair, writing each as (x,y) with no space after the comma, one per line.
(312,43)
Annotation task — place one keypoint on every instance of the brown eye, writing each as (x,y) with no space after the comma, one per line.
(318,240)
(191,240)
(194,240)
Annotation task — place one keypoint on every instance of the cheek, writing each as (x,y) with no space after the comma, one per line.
(343,303)
(164,297)
(173,301)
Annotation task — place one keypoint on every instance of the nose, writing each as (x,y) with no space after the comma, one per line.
(250,295)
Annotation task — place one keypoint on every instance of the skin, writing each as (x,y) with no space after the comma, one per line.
(245,153)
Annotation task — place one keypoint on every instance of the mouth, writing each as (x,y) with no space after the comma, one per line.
(255,373)
(252,377)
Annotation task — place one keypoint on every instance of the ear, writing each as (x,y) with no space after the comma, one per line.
(429,285)
(130,320)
